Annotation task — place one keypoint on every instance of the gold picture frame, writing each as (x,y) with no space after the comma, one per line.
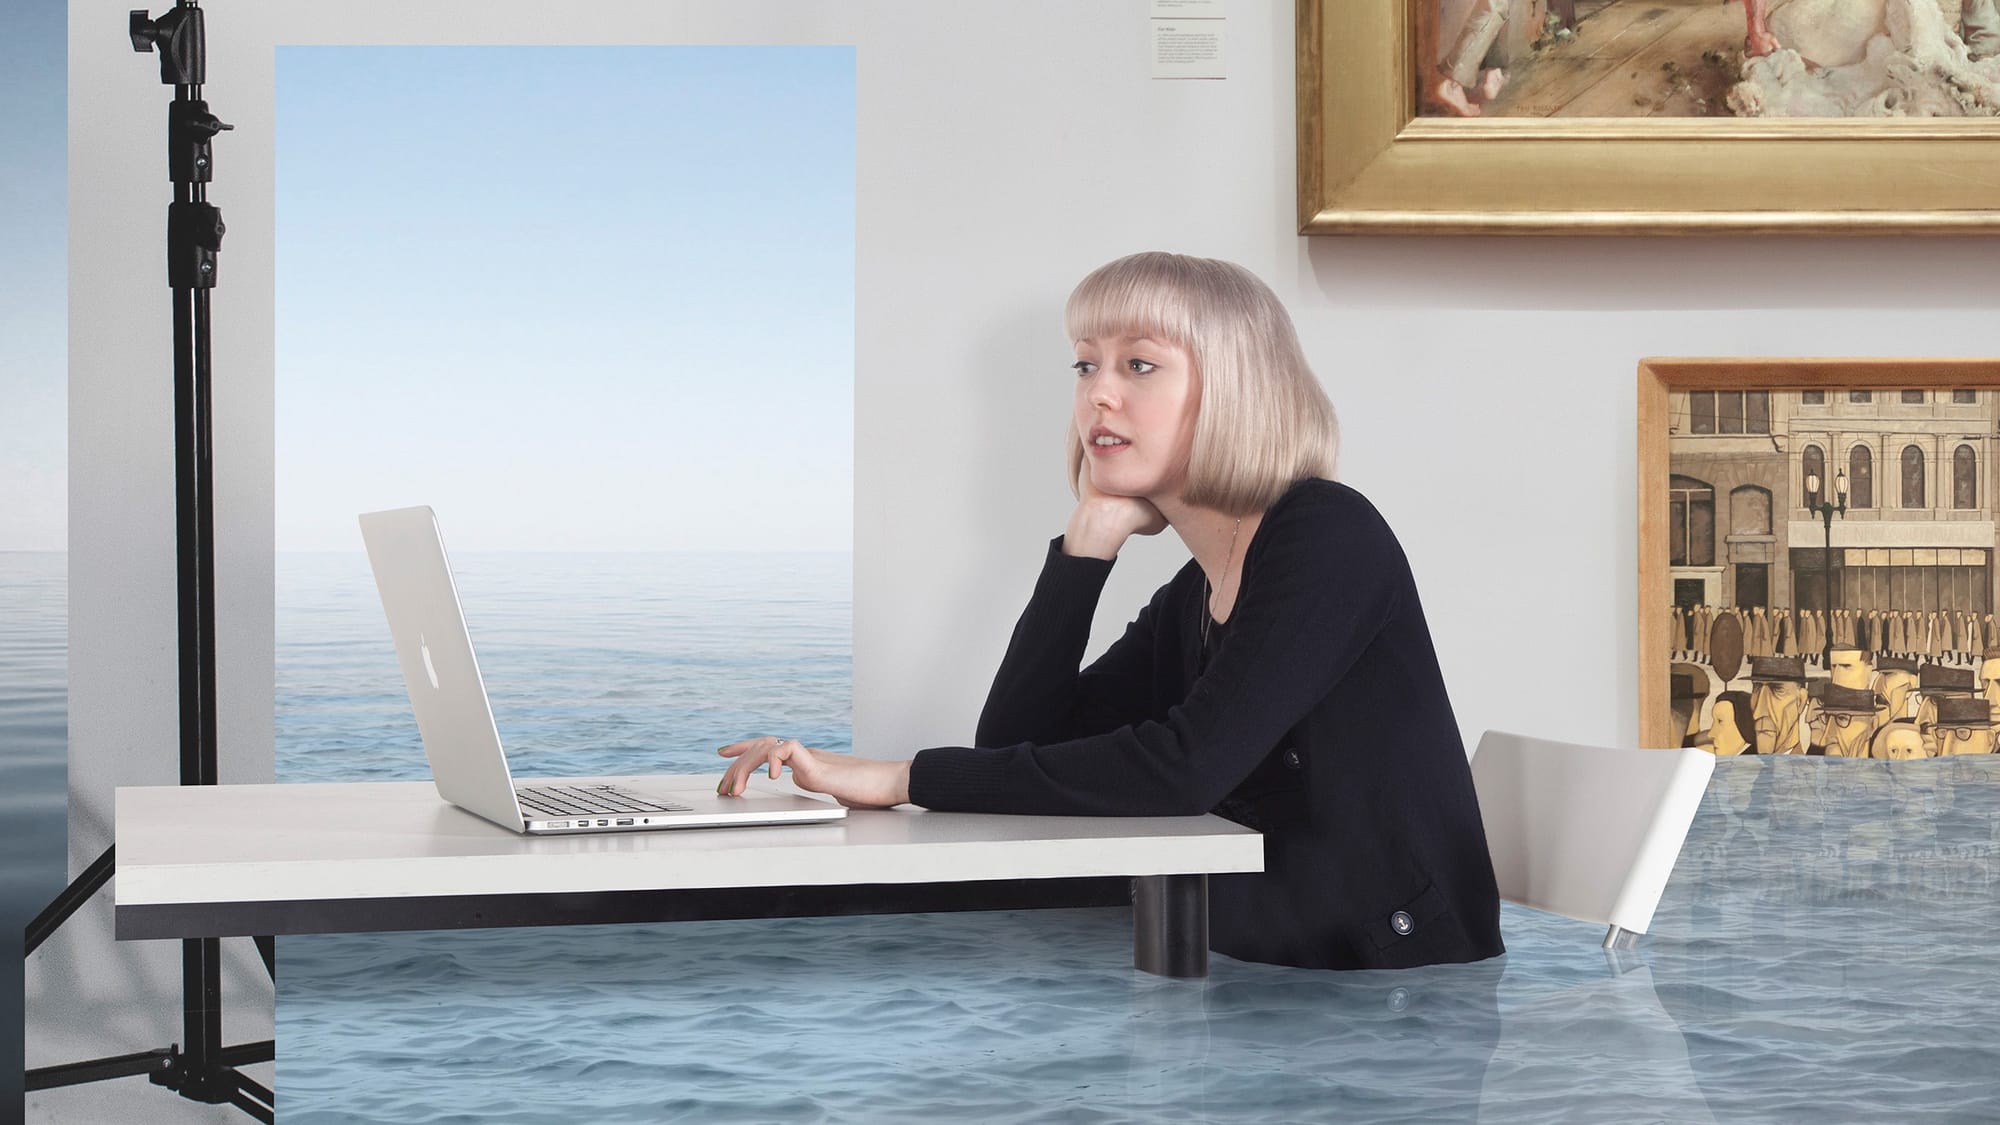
(1660,379)
(1367,164)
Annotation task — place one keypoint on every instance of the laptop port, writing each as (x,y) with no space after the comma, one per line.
(626,820)
(602,823)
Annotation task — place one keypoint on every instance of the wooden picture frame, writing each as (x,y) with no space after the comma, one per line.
(1367,164)
(1664,382)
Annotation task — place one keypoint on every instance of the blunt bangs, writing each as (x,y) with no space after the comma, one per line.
(1131,297)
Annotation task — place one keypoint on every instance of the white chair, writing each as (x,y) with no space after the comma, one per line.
(1588,832)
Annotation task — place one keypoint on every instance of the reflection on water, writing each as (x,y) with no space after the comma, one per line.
(1789,976)
(1025,1016)
(1824,950)
(1614,1030)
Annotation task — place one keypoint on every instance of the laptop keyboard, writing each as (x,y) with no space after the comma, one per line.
(587,800)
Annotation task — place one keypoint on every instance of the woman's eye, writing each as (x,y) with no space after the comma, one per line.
(1083,366)
(1140,367)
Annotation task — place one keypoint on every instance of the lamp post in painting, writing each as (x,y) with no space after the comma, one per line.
(1826,512)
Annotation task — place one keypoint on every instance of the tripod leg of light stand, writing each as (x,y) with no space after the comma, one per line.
(246,1099)
(243,1054)
(73,896)
(156,1061)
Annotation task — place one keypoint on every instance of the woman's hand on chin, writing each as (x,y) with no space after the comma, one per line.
(858,783)
(1102,522)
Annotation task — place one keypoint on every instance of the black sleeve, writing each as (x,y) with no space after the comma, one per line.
(1327,580)
(1038,695)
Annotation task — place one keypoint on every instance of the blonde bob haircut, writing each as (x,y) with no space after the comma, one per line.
(1263,422)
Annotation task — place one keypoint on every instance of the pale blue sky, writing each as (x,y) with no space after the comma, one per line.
(593,298)
(34,441)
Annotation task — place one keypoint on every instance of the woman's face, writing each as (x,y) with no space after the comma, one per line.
(1136,401)
(1728,737)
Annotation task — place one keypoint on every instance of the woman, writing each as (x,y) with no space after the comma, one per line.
(1732,729)
(1284,678)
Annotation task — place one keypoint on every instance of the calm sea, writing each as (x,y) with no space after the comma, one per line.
(1825,952)
(34,734)
(596,663)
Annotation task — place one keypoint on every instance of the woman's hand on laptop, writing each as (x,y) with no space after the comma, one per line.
(858,783)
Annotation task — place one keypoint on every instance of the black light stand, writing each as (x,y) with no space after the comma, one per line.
(205,1071)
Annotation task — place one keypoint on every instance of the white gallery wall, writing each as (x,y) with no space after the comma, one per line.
(1485,386)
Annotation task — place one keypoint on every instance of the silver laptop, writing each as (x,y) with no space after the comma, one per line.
(456,720)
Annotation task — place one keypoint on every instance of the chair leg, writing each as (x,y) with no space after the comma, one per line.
(1617,938)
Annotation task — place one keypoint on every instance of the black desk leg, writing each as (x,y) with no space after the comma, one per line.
(1170,925)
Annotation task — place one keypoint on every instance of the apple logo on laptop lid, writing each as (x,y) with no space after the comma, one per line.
(429,668)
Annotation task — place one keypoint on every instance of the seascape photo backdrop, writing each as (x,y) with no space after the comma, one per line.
(34,481)
(602,323)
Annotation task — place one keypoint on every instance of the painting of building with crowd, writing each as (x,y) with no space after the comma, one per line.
(1831,565)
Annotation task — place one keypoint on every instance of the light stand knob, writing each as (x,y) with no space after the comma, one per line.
(190,127)
(183,56)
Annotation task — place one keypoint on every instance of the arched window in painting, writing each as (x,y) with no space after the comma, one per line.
(1813,469)
(1964,479)
(1913,477)
(1750,511)
(1691,522)
(1860,478)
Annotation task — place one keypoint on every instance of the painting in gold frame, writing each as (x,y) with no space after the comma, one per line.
(1368,162)
(1817,556)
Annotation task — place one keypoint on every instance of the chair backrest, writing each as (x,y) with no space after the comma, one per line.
(1589,832)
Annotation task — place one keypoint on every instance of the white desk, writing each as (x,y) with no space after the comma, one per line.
(227,860)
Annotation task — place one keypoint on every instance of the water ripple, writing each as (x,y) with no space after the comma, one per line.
(1824,951)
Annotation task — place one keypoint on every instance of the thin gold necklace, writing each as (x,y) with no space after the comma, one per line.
(1208,615)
